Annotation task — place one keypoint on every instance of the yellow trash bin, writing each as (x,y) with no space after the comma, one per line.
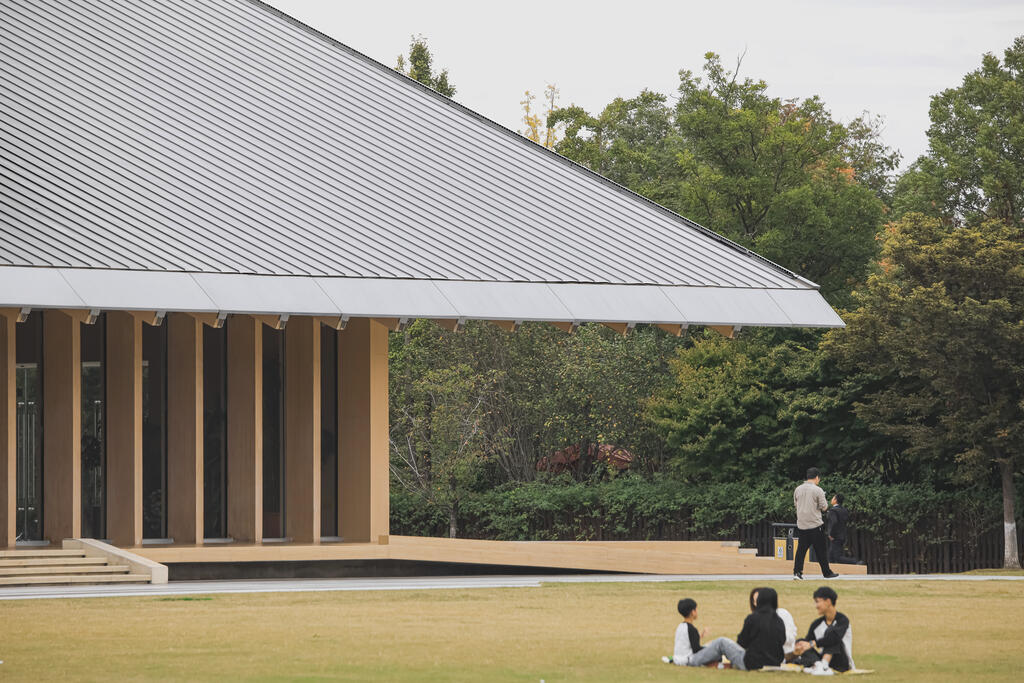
(784,544)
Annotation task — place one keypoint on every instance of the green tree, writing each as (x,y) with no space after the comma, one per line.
(632,141)
(718,415)
(438,417)
(769,403)
(499,401)
(779,176)
(974,169)
(945,313)
(419,66)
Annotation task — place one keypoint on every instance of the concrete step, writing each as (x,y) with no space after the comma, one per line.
(51,579)
(39,552)
(50,561)
(747,551)
(61,569)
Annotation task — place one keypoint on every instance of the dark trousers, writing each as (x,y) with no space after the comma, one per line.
(835,552)
(808,538)
(840,662)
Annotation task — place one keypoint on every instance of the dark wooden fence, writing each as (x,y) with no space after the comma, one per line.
(958,544)
(895,551)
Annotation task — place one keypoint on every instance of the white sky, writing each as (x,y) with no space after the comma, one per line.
(886,57)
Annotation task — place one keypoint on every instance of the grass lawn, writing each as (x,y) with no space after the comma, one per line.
(997,572)
(906,630)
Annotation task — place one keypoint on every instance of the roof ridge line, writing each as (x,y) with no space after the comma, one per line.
(687,222)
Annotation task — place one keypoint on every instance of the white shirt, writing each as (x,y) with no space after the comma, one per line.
(787,620)
(819,632)
(682,649)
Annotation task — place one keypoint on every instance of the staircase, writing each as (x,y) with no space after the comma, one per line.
(47,566)
(730,546)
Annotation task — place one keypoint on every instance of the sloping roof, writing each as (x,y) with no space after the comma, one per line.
(223,144)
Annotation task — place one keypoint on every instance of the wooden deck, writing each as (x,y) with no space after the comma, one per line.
(647,557)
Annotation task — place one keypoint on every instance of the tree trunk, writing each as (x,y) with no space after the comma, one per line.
(453,509)
(1011,556)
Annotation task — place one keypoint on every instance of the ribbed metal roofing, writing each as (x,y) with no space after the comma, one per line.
(221,136)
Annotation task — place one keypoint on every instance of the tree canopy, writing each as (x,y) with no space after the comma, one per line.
(974,168)
(943,316)
(779,176)
(922,391)
(419,66)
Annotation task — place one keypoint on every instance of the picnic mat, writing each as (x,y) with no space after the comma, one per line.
(795,669)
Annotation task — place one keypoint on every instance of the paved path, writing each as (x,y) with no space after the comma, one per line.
(425,583)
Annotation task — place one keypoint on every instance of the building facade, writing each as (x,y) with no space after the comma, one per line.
(213,216)
(127,427)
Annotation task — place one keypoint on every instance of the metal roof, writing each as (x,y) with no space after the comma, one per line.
(391,298)
(219,155)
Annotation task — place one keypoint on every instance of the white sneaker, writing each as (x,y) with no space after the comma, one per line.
(820,668)
(667,660)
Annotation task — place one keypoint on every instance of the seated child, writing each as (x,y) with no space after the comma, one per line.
(687,638)
(828,646)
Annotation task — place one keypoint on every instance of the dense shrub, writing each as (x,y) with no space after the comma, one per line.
(660,508)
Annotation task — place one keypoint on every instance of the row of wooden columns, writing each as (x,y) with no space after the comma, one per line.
(362,428)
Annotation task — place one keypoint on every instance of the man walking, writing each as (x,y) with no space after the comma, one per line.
(809,500)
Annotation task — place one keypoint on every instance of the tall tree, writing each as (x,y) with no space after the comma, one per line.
(419,66)
(632,141)
(767,404)
(945,314)
(439,407)
(541,128)
(779,176)
(974,168)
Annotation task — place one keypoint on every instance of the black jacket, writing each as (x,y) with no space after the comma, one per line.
(834,639)
(837,516)
(763,636)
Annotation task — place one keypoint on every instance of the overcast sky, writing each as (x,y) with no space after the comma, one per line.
(886,57)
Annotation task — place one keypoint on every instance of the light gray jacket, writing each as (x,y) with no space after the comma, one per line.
(810,503)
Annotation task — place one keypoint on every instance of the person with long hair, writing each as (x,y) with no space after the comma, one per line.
(759,643)
(787,621)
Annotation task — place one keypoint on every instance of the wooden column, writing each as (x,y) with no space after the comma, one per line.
(363,504)
(124,428)
(302,429)
(184,428)
(62,426)
(8,431)
(245,429)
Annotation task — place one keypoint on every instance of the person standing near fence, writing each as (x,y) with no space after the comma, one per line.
(837,518)
(809,500)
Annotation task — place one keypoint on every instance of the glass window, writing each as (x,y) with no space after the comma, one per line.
(29,427)
(328,431)
(215,430)
(94,460)
(273,433)
(154,431)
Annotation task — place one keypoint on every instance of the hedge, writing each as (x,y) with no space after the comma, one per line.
(637,508)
